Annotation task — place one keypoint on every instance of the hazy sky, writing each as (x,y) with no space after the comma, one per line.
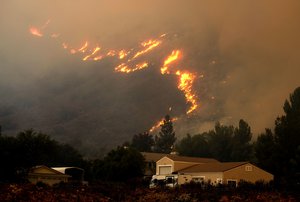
(247,51)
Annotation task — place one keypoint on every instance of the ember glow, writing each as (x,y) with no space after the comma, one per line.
(185,85)
(159,123)
(171,58)
(186,80)
(35,31)
(149,45)
(84,47)
(97,49)
(125,69)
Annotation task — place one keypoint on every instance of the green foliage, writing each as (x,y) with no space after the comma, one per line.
(164,142)
(265,151)
(287,137)
(29,149)
(143,142)
(279,152)
(242,149)
(220,142)
(120,165)
(224,143)
(196,145)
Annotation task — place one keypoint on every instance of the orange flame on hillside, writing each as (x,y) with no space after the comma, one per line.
(149,45)
(84,47)
(159,123)
(171,58)
(185,84)
(123,53)
(186,80)
(125,69)
(90,52)
(93,53)
(36,32)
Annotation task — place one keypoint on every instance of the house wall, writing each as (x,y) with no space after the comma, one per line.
(176,165)
(47,179)
(240,173)
(164,161)
(211,177)
(182,179)
(179,165)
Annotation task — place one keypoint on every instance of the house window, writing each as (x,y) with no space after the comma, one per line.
(248,168)
(164,170)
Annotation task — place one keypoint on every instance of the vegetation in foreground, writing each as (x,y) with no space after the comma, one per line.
(106,192)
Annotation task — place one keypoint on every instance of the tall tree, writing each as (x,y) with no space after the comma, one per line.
(241,145)
(143,142)
(164,142)
(287,137)
(122,164)
(265,150)
(220,142)
(196,145)
(29,149)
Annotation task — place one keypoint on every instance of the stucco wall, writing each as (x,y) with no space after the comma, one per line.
(240,173)
(164,161)
(178,165)
(208,177)
(50,180)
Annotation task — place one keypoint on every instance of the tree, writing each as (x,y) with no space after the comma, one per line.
(164,142)
(241,146)
(196,145)
(220,142)
(29,149)
(287,137)
(143,142)
(265,150)
(122,164)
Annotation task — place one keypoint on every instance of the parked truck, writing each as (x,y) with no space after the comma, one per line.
(164,180)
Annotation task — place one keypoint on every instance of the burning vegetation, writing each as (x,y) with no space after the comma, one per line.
(129,62)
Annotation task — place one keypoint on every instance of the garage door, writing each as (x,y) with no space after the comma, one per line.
(164,170)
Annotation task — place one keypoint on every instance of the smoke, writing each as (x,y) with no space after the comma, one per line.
(245,54)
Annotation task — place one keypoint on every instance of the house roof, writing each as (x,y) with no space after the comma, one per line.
(191,159)
(35,169)
(157,156)
(212,167)
(152,156)
(63,169)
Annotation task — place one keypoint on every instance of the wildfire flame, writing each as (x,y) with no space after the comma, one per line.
(84,47)
(93,53)
(36,32)
(171,58)
(159,123)
(186,80)
(185,84)
(128,63)
(125,69)
(149,45)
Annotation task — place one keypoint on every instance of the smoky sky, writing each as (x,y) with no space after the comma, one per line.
(247,51)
